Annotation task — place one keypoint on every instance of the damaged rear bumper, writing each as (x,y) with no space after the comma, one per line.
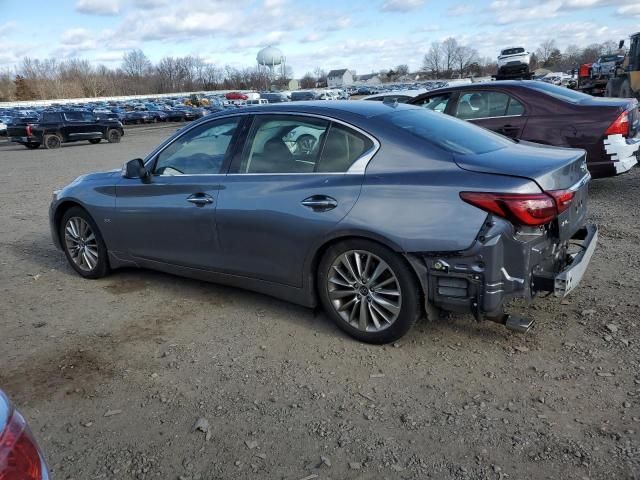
(501,265)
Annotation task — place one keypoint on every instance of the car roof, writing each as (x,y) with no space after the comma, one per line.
(330,107)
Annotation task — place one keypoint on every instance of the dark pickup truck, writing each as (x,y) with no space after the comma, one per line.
(57,127)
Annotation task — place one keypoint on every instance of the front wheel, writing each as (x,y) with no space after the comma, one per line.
(82,243)
(369,291)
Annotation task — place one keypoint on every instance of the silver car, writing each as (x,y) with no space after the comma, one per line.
(381,213)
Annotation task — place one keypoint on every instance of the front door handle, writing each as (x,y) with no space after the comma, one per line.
(320,203)
(200,199)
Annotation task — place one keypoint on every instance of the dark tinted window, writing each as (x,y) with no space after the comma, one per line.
(512,51)
(561,93)
(78,116)
(282,144)
(437,103)
(199,151)
(342,147)
(50,117)
(448,133)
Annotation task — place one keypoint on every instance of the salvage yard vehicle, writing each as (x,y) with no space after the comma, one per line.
(625,79)
(55,127)
(20,456)
(607,128)
(382,214)
(513,63)
(393,96)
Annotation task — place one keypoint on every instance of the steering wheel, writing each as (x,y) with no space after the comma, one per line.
(305,143)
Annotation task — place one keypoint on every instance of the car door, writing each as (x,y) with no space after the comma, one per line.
(493,110)
(171,216)
(295,179)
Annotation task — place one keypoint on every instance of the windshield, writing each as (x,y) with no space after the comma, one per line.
(560,93)
(448,133)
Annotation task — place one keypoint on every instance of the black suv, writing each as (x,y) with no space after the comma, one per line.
(56,127)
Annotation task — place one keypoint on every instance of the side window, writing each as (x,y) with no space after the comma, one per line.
(282,144)
(342,147)
(482,105)
(515,107)
(437,103)
(50,117)
(201,150)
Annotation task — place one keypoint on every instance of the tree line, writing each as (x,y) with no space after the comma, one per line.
(36,79)
(449,59)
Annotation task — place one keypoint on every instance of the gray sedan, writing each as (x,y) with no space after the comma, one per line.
(380,213)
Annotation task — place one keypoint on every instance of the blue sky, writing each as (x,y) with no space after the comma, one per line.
(357,34)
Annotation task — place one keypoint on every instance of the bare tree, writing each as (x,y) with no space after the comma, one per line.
(545,50)
(465,57)
(135,63)
(432,61)
(449,52)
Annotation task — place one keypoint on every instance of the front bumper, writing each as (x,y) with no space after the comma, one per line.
(503,264)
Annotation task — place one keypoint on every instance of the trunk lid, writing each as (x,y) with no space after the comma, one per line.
(552,168)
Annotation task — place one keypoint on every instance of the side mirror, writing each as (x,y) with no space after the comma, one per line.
(134,169)
(621,44)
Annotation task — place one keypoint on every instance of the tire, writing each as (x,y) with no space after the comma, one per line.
(388,316)
(113,136)
(52,141)
(95,141)
(625,90)
(93,261)
(32,145)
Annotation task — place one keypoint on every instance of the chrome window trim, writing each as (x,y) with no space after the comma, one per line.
(490,118)
(358,167)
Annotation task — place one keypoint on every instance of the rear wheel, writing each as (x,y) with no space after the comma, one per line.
(82,243)
(94,141)
(52,141)
(368,290)
(113,136)
(32,145)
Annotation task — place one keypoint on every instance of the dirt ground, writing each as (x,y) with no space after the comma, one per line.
(113,374)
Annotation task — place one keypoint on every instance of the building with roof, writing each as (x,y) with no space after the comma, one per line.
(370,79)
(340,78)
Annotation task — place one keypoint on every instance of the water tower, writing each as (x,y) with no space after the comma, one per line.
(272,59)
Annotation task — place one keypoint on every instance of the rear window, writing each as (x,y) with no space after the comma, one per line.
(448,133)
(561,93)
(512,51)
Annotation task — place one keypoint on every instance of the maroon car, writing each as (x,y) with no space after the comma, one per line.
(607,128)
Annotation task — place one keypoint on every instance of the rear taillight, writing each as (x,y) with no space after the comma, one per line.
(620,126)
(522,209)
(19,455)
(563,198)
(28,130)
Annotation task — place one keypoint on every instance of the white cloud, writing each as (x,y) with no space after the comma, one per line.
(630,10)
(401,5)
(7,27)
(75,36)
(98,7)
(459,10)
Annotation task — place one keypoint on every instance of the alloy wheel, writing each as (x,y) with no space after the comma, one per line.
(81,243)
(364,291)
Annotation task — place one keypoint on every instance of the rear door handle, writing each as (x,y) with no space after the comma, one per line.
(320,203)
(200,199)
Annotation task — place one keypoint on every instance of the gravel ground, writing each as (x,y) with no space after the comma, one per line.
(115,374)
